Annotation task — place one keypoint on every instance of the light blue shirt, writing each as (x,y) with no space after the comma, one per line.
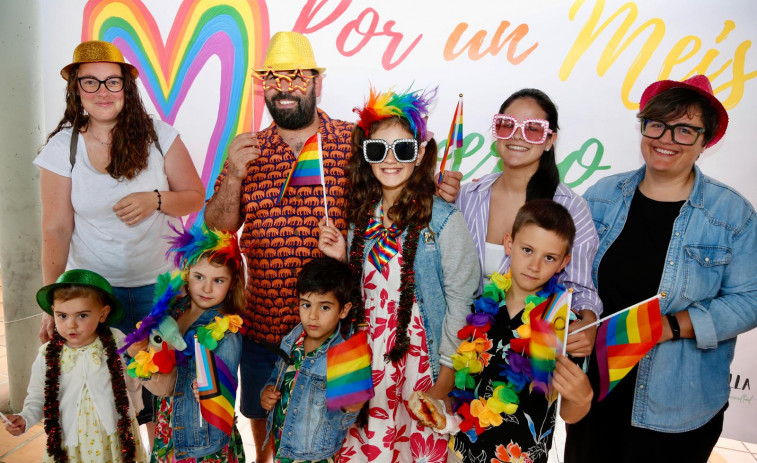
(711,271)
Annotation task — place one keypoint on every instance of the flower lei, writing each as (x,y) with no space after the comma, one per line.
(145,363)
(52,402)
(407,283)
(472,356)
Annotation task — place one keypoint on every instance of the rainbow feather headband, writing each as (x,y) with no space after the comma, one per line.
(411,105)
(189,246)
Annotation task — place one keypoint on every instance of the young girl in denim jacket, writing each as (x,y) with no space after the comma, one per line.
(212,279)
(415,261)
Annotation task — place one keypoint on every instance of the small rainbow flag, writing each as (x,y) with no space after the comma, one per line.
(623,339)
(348,372)
(548,322)
(218,389)
(307,168)
(455,137)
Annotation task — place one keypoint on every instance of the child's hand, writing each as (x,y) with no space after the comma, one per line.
(355,407)
(331,242)
(570,381)
(196,390)
(269,397)
(19,425)
(137,347)
(581,344)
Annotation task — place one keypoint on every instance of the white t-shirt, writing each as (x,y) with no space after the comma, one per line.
(126,255)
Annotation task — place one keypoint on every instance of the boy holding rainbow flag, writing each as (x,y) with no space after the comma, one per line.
(506,413)
(304,428)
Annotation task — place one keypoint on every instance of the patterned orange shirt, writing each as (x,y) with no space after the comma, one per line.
(278,239)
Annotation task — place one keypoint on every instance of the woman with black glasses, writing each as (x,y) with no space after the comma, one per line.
(112,180)
(668,229)
(525,130)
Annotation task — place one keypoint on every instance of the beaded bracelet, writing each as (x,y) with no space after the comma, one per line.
(160,202)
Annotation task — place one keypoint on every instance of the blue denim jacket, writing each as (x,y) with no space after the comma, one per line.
(445,247)
(190,438)
(311,431)
(711,271)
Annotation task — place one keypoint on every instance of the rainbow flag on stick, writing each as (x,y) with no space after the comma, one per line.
(623,339)
(307,168)
(455,137)
(348,372)
(548,325)
(218,389)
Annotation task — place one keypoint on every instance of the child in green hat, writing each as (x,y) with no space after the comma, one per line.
(78,384)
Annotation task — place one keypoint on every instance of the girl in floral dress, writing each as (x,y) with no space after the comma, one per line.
(214,286)
(416,264)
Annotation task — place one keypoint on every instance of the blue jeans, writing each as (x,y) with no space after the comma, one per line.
(255,367)
(137,304)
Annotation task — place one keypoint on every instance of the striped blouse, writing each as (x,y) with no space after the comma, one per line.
(474,201)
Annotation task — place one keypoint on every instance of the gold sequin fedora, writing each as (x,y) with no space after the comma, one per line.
(96,51)
(288,51)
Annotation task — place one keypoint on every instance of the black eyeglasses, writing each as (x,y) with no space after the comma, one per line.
(89,84)
(404,149)
(683,134)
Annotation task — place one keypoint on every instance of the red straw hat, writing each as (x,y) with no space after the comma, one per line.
(700,84)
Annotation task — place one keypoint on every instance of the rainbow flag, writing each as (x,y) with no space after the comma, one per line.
(455,137)
(348,372)
(623,339)
(548,321)
(218,389)
(307,168)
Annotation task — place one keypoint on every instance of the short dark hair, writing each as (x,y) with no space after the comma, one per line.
(675,102)
(547,214)
(326,275)
(65,293)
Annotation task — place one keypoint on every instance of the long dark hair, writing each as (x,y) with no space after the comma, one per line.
(130,138)
(416,199)
(543,183)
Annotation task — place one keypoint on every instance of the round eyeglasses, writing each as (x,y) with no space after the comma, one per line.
(683,134)
(89,84)
(535,131)
(404,149)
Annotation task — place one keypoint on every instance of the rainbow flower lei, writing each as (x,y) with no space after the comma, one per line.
(472,357)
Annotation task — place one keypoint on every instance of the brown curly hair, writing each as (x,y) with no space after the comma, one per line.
(130,138)
(416,199)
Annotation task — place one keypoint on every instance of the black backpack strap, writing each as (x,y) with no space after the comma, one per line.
(74,143)
(157,145)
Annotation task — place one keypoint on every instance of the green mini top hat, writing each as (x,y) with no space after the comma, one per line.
(81,277)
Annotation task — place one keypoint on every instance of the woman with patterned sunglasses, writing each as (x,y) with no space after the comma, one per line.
(525,130)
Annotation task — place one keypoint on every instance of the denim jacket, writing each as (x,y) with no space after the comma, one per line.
(710,271)
(193,437)
(447,273)
(311,431)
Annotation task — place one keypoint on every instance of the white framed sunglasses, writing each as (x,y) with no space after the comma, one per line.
(535,131)
(405,150)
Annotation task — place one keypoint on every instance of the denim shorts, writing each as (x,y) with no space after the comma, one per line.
(256,366)
(137,304)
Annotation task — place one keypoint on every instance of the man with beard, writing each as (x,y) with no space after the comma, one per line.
(278,238)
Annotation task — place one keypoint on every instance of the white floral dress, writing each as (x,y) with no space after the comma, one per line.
(391,435)
(95,445)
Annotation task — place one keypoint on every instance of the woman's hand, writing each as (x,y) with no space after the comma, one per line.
(269,397)
(582,344)
(331,242)
(137,347)
(136,207)
(18,427)
(450,186)
(46,329)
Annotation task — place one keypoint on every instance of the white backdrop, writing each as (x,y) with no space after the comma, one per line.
(593,57)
